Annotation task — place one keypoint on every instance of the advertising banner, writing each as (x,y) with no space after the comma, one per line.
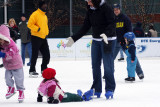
(83,48)
(148,47)
(58,48)
(145,47)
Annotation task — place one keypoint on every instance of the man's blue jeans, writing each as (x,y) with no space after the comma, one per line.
(97,55)
(121,53)
(29,49)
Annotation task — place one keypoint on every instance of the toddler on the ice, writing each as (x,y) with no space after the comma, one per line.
(49,87)
(12,62)
(130,51)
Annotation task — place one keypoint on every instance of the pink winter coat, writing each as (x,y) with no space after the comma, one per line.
(51,89)
(12,59)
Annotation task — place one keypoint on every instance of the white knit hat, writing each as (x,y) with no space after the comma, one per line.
(4,33)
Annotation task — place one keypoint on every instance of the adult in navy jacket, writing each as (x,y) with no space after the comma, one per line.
(123,25)
(100,17)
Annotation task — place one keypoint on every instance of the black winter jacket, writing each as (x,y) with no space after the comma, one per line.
(131,49)
(138,31)
(102,20)
(123,25)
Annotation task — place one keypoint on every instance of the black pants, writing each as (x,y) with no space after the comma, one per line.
(39,44)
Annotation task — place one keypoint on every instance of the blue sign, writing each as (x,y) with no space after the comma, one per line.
(141,48)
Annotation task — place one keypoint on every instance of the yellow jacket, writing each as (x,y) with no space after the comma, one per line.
(37,20)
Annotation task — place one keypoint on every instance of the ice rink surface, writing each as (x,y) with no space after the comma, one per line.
(77,74)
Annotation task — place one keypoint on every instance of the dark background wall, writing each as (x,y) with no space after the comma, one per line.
(62,30)
(1,15)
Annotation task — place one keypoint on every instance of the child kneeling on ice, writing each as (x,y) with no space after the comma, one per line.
(12,62)
(49,87)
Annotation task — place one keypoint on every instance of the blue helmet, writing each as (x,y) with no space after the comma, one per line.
(130,36)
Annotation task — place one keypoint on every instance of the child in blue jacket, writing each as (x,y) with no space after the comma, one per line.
(130,51)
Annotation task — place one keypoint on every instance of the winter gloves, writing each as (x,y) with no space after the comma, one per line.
(122,43)
(104,38)
(39,98)
(2,55)
(51,100)
(70,42)
(107,45)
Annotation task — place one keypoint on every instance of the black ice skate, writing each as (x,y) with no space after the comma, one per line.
(33,74)
(130,79)
(141,76)
(120,59)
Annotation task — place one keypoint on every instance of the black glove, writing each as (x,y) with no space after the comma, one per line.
(51,100)
(1,48)
(122,43)
(107,47)
(39,98)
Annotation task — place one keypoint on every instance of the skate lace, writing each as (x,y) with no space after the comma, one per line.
(9,90)
(20,94)
(140,75)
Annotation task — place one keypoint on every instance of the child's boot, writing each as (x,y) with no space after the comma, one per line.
(79,92)
(88,95)
(10,93)
(130,79)
(21,96)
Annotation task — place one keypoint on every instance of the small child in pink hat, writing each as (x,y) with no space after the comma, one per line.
(12,62)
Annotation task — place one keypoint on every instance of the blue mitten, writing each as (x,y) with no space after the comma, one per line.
(2,55)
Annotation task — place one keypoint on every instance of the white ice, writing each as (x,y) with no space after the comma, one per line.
(77,74)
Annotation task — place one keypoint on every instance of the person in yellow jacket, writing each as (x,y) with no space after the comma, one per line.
(38,24)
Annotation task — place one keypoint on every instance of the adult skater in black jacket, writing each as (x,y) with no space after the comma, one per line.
(100,17)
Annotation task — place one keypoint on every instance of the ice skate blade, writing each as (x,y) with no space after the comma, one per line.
(10,96)
(122,61)
(20,101)
(109,98)
(33,76)
(141,80)
(129,81)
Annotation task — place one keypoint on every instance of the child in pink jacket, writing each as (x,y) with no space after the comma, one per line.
(49,87)
(12,62)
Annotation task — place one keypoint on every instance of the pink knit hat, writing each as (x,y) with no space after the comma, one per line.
(4,33)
